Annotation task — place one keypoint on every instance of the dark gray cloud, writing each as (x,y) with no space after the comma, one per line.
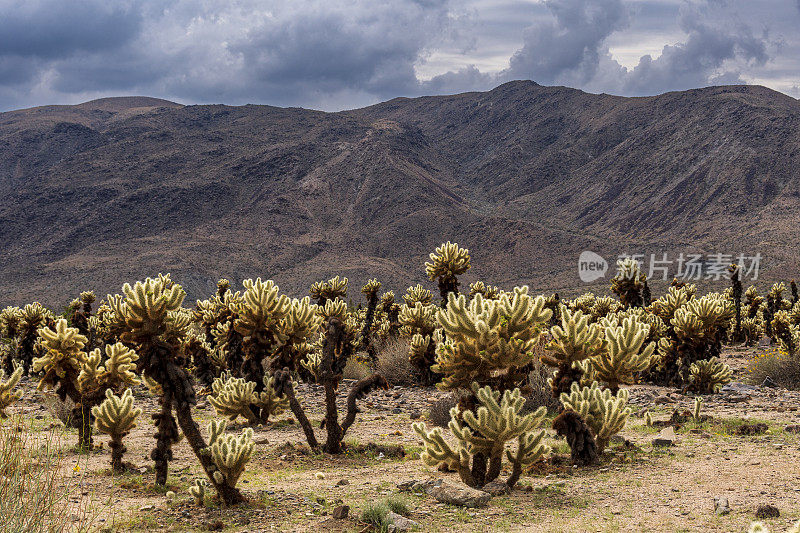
(568,48)
(336,54)
(55,29)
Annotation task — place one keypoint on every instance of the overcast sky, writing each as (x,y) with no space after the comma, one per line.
(337,54)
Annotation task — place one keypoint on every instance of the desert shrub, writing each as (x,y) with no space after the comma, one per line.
(439,412)
(377,515)
(34,495)
(539,392)
(778,365)
(393,362)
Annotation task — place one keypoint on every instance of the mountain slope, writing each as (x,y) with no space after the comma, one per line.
(525,176)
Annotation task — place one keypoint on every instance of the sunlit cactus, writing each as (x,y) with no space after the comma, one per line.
(326,364)
(786,331)
(418,324)
(334,288)
(753,301)
(709,376)
(153,323)
(698,328)
(370,290)
(629,282)
(490,342)
(297,330)
(116,417)
(626,353)
(229,453)
(34,317)
(7,393)
(234,397)
(487,291)
(197,490)
(576,339)
(447,263)
(481,437)
(605,412)
(417,294)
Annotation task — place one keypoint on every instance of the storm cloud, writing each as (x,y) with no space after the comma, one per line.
(339,54)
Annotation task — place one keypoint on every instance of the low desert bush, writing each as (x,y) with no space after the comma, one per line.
(778,365)
(540,392)
(35,495)
(392,363)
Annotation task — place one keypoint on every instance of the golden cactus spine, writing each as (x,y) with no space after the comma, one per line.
(7,393)
(116,417)
(447,263)
(481,437)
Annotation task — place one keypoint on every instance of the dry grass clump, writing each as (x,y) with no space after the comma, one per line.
(34,495)
(777,364)
(392,364)
(540,394)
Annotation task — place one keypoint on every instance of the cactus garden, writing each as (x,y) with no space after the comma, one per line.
(483,409)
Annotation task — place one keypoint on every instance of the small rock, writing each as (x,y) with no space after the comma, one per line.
(342,482)
(721,506)
(460,495)
(147,507)
(767,511)
(399,523)
(769,383)
(496,488)
(341,512)
(665,437)
(262,441)
(663,398)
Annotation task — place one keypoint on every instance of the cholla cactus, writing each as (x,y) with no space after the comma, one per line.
(786,331)
(116,371)
(708,376)
(61,364)
(625,353)
(481,437)
(229,453)
(629,282)
(370,290)
(116,417)
(490,342)
(419,323)
(7,393)
(297,331)
(149,317)
(417,294)
(334,288)
(573,341)
(447,262)
(34,317)
(198,490)
(753,301)
(234,397)
(752,331)
(605,413)
(487,291)
(326,366)
(698,328)
(698,404)
(603,306)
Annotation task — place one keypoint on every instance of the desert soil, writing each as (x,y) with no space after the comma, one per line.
(638,486)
